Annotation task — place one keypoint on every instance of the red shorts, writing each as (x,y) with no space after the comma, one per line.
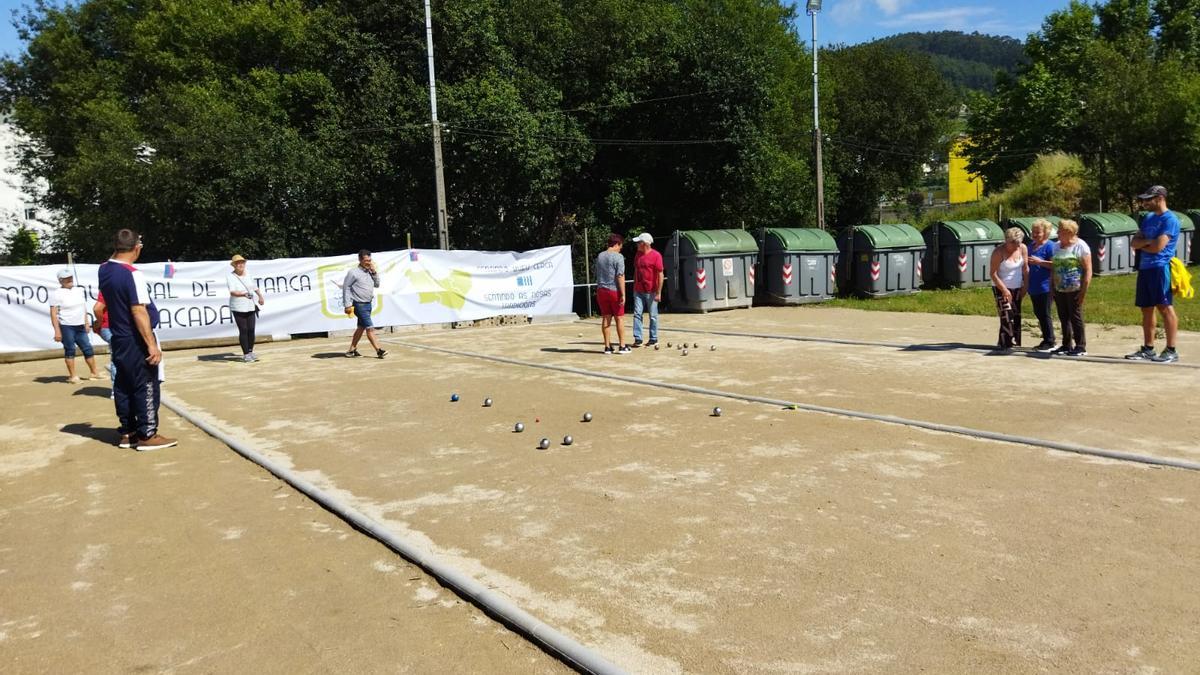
(610,302)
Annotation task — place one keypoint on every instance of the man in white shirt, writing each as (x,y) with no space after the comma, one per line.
(68,315)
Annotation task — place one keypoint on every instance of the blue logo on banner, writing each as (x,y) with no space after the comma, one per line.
(525,280)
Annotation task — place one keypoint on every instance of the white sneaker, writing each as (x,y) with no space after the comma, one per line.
(625,349)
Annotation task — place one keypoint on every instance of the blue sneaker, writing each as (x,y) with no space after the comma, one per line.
(1168,355)
(1144,353)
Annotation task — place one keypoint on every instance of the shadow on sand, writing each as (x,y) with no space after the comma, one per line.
(103,434)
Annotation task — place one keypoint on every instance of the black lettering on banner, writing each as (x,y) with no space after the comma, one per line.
(203,289)
(305,283)
(161,290)
(12,295)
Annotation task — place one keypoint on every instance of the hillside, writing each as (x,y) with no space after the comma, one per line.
(968,61)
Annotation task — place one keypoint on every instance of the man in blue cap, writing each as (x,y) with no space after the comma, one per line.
(1155,240)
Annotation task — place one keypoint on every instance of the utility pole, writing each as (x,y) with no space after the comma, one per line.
(439,179)
(813,7)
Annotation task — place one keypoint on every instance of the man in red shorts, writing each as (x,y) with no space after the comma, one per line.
(610,293)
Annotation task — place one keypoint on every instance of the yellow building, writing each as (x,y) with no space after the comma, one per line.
(964,186)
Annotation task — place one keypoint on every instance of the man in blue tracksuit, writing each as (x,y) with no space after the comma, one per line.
(132,317)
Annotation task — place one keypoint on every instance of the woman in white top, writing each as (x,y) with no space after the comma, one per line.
(1010,282)
(241,304)
(68,315)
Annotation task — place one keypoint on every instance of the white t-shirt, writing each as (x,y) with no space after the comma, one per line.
(242,284)
(72,305)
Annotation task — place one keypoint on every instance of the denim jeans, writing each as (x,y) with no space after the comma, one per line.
(643,302)
(106,335)
(75,336)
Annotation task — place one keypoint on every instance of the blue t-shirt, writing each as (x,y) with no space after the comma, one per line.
(1039,277)
(1154,226)
(123,287)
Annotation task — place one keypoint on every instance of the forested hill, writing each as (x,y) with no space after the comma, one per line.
(968,61)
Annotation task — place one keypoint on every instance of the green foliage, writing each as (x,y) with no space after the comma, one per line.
(288,127)
(881,141)
(22,247)
(1115,84)
(1054,185)
(967,61)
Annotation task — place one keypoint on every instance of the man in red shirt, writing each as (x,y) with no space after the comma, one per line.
(647,288)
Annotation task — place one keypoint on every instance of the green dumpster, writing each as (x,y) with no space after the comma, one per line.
(1184,249)
(796,265)
(958,252)
(710,269)
(1026,226)
(881,260)
(1109,235)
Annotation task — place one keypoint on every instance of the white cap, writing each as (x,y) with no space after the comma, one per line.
(645,236)
(65,273)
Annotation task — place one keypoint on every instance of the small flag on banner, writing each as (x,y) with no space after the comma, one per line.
(169,270)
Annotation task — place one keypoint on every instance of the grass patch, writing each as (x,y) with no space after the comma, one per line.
(1109,301)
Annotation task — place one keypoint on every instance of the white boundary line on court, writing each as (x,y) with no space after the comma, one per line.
(841,412)
(558,644)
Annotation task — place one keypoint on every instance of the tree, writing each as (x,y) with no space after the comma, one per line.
(290,127)
(23,247)
(882,141)
(1103,85)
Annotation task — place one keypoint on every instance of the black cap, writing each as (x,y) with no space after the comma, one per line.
(1154,191)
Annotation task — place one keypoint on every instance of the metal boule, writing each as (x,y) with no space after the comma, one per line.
(543,444)
(587,417)
(519,427)
(487,402)
(567,440)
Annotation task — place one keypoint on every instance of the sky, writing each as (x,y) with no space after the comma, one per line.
(840,21)
(855,21)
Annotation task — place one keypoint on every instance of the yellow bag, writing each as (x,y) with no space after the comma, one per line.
(1181,280)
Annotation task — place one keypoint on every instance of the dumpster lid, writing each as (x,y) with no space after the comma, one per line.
(801,239)
(971,230)
(1027,223)
(713,242)
(1106,224)
(1186,223)
(899,235)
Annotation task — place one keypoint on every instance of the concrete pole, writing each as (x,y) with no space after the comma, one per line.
(439,179)
(817,127)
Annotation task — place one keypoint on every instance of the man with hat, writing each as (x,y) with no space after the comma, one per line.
(68,315)
(1155,241)
(647,287)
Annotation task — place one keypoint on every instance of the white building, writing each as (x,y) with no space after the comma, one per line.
(18,206)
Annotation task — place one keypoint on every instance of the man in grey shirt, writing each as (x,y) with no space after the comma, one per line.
(358,290)
(610,293)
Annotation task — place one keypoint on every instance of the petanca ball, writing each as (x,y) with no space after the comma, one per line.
(567,440)
(487,402)
(543,444)
(587,417)
(519,427)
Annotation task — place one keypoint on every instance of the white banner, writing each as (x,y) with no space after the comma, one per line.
(304,295)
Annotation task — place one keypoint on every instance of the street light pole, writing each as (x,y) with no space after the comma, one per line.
(813,7)
(439,180)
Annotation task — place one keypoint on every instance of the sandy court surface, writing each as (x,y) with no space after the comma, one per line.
(192,560)
(765,540)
